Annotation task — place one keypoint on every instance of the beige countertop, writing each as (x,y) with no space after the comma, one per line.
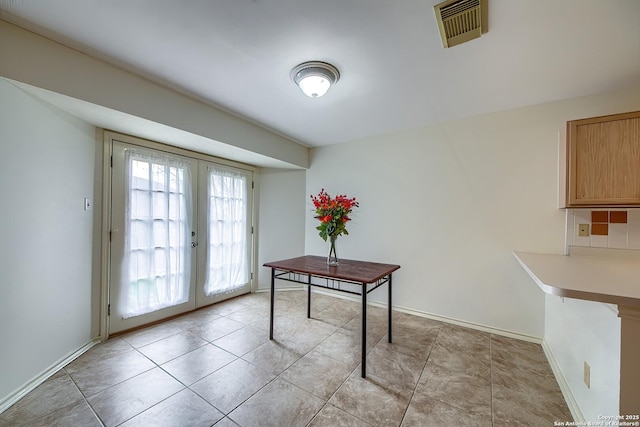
(608,279)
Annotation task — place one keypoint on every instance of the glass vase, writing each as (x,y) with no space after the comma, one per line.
(332,258)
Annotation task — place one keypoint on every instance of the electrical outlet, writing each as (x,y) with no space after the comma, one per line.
(587,375)
(583,230)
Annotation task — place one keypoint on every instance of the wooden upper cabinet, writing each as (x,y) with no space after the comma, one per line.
(603,161)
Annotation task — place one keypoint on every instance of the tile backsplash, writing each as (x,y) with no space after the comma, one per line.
(608,228)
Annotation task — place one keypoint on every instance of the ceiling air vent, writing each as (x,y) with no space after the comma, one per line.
(461,20)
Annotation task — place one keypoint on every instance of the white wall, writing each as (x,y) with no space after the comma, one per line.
(281,219)
(450,202)
(47,168)
(584,331)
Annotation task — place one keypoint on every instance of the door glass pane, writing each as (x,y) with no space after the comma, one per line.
(157,264)
(227,251)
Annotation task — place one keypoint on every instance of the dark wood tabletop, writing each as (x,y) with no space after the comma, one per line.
(356,271)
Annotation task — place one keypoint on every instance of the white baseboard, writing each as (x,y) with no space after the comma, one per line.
(444,319)
(576,413)
(18,394)
(466,324)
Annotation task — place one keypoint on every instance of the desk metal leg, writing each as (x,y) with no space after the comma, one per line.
(390,305)
(363,371)
(273,286)
(309,297)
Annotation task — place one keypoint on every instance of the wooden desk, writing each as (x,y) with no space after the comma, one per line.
(314,271)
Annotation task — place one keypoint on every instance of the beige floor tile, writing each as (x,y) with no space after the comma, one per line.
(412,342)
(320,301)
(194,319)
(257,299)
(378,328)
(229,306)
(146,336)
(458,372)
(174,346)
(57,392)
(297,296)
(519,356)
(302,334)
(255,316)
(375,331)
(338,314)
(372,401)
(104,373)
(458,338)
(198,363)
(524,377)
(528,403)
(226,422)
(509,347)
(379,314)
(329,415)
(184,408)
(231,385)
(469,394)
(444,360)
(216,328)
(295,302)
(394,367)
(524,388)
(273,357)
(126,400)
(77,414)
(343,346)
(243,340)
(111,348)
(410,321)
(291,309)
(265,408)
(425,411)
(318,374)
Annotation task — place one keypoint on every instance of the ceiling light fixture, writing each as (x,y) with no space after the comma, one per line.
(315,77)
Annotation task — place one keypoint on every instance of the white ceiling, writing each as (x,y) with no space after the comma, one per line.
(394,72)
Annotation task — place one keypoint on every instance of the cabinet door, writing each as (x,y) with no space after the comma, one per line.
(604,160)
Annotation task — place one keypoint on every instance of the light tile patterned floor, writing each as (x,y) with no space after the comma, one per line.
(217,366)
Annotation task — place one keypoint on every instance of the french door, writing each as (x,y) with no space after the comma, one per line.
(224,254)
(180,234)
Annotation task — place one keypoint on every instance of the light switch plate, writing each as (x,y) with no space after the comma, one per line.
(88,204)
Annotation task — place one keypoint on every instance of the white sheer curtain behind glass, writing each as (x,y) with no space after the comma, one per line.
(157,264)
(228,257)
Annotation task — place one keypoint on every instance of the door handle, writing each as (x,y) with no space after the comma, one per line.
(194,244)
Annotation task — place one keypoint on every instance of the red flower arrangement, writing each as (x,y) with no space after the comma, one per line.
(333,213)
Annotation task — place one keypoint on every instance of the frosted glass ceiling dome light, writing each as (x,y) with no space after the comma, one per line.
(315,77)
